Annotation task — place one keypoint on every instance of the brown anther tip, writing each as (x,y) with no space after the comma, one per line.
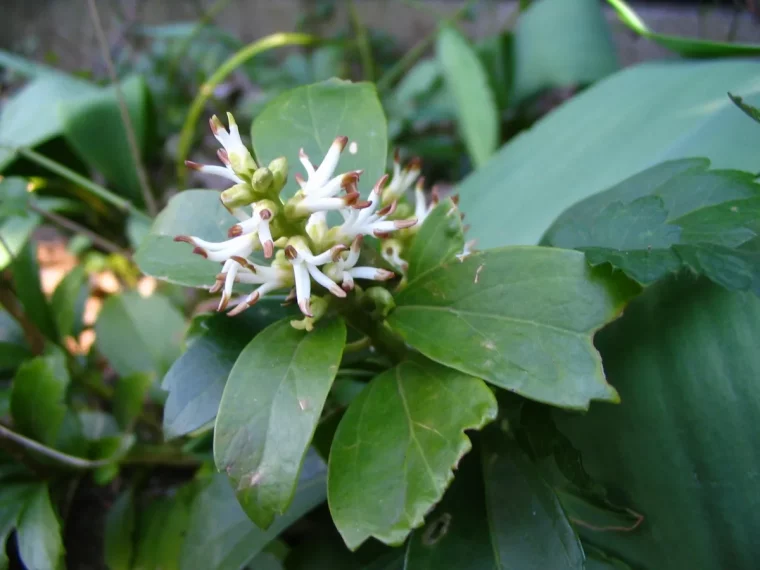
(218,285)
(268,249)
(349,179)
(337,250)
(415,163)
(244,262)
(358,240)
(380,184)
(341,142)
(420,183)
(186,239)
(351,198)
(401,224)
(384,275)
(235,231)
(290,252)
(347,286)
(200,251)
(265,214)
(223,303)
(381,235)
(389,209)
(361,205)
(223,156)
(396,155)
(455,199)
(193,165)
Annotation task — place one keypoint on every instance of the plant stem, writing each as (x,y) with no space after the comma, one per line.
(357,345)
(160,455)
(32,334)
(79,229)
(416,52)
(64,459)
(380,335)
(65,172)
(129,128)
(232,63)
(362,41)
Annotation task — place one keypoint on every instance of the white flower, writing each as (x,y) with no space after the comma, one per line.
(391,252)
(344,270)
(258,223)
(241,246)
(238,270)
(421,208)
(402,179)
(236,155)
(363,219)
(223,171)
(306,264)
(320,182)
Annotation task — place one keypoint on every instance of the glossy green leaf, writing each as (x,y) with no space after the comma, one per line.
(466,80)
(139,334)
(15,231)
(64,305)
(588,144)
(120,532)
(499,513)
(683,441)
(13,346)
(39,533)
(129,396)
(193,212)
(522,318)
(561,44)
(93,126)
(38,396)
(312,116)
(196,379)
(14,197)
(269,410)
(687,47)
(395,448)
(222,537)
(650,225)
(162,526)
(437,242)
(13,497)
(32,115)
(26,283)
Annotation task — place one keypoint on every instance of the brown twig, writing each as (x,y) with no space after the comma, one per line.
(134,150)
(32,334)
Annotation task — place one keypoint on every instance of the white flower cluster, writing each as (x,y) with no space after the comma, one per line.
(289,232)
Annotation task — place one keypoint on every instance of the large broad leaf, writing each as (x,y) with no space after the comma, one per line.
(466,80)
(93,126)
(684,358)
(438,241)
(498,514)
(222,537)
(38,397)
(196,379)
(685,46)
(39,533)
(310,117)
(269,411)
(32,116)
(522,318)
(560,44)
(66,304)
(197,213)
(672,216)
(588,144)
(393,454)
(139,334)
(13,498)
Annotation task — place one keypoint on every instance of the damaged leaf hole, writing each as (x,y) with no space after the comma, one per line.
(436,530)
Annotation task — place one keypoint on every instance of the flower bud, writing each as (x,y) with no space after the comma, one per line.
(318,307)
(279,169)
(379,301)
(261,180)
(238,196)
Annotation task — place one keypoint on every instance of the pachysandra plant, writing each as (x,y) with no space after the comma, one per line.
(295,234)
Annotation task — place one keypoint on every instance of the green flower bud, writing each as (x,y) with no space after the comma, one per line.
(238,196)
(261,180)
(279,169)
(318,307)
(379,301)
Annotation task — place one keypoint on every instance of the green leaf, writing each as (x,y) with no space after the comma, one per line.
(26,282)
(196,379)
(269,411)
(129,395)
(139,334)
(393,454)
(312,116)
(522,318)
(222,537)
(197,213)
(13,497)
(684,359)
(120,532)
(14,197)
(588,144)
(31,116)
(64,304)
(437,242)
(687,47)
(94,127)
(695,219)
(162,527)
(467,81)
(38,396)
(15,231)
(499,513)
(561,44)
(752,112)
(39,533)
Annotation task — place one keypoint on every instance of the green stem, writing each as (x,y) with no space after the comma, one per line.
(417,51)
(357,345)
(232,63)
(362,41)
(65,172)
(63,459)
(381,336)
